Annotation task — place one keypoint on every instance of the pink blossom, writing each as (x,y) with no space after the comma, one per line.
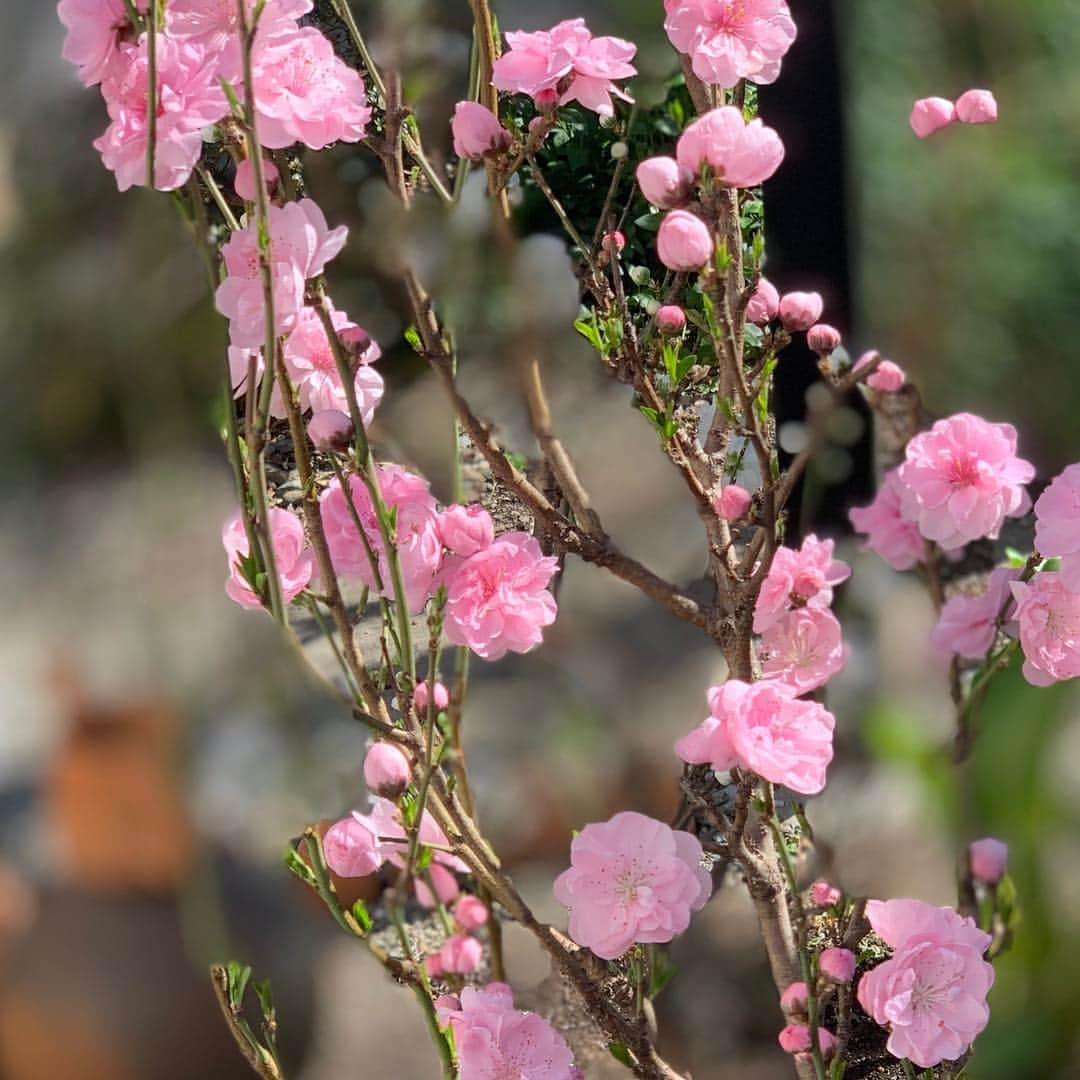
(837,965)
(733,502)
(886,378)
(465,530)
(765,728)
(670,320)
(294,559)
(931,114)
(385,820)
(988,859)
(962,478)
(824,895)
(301,244)
(797,578)
(793,1000)
(311,364)
(968,625)
(566,60)
(470,913)
(351,847)
(684,242)
(800,310)
(613,242)
(244,181)
(932,992)
(664,182)
(446,887)
(803,649)
(794,1039)
(764,303)
(1048,615)
(420,697)
(976,107)
(477,131)
(417,537)
(738,154)
(729,40)
(458,955)
(303,92)
(95,31)
(631,879)
(387,771)
(1057,524)
(215,22)
(330,429)
(888,533)
(823,339)
(493,1039)
(189,99)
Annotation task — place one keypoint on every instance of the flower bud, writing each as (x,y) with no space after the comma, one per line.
(613,242)
(823,339)
(386,770)
(465,530)
(433,965)
(420,697)
(793,999)
(888,378)
(800,310)
(931,114)
(670,319)
(470,912)
(664,182)
(795,1039)
(244,181)
(477,131)
(733,502)
(988,859)
(547,101)
(764,304)
(976,107)
(823,895)
(460,955)
(837,965)
(351,848)
(684,242)
(330,429)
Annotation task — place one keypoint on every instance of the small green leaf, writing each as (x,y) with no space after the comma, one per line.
(238,974)
(362,916)
(296,865)
(412,336)
(265,996)
(621,1054)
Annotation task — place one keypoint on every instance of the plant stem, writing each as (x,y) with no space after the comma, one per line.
(151,94)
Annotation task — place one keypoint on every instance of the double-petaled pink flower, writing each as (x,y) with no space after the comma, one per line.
(968,625)
(738,154)
(765,728)
(1048,617)
(497,599)
(729,40)
(418,545)
(465,530)
(799,577)
(295,560)
(931,993)
(1057,524)
(888,533)
(189,98)
(217,23)
(631,879)
(95,31)
(803,649)
(564,64)
(962,478)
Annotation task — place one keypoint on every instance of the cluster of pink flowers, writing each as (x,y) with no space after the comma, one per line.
(802,577)
(766,728)
(931,993)
(302,91)
(461,953)
(929,115)
(493,1039)
(631,879)
(564,64)
(729,40)
(295,560)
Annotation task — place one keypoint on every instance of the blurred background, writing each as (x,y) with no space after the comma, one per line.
(158,746)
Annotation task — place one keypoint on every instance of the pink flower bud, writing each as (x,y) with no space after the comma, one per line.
(386,770)
(976,107)
(477,131)
(931,114)
(420,697)
(351,847)
(888,378)
(823,339)
(470,912)
(732,503)
(670,319)
(684,242)
(433,965)
(793,999)
(547,101)
(465,530)
(800,310)
(764,304)
(613,242)
(664,182)
(837,965)
(823,895)
(988,859)
(244,181)
(460,955)
(795,1039)
(827,1043)
(330,429)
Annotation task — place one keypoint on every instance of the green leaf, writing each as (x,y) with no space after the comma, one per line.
(295,863)
(265,996)
(238,975)
(621,1054)
(363,917)
(412,336)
